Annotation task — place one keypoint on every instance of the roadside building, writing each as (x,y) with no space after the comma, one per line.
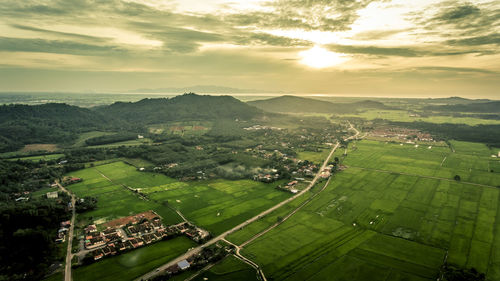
(184,264)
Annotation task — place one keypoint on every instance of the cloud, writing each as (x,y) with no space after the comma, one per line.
(490,39)
(56,46)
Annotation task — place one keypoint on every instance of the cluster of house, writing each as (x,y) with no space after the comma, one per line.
(291,186)
(326,172)
(193,232)
(61,233)
(260,127)
(401,134)
(70,180)
(22,196)
(134,231)
(267,176)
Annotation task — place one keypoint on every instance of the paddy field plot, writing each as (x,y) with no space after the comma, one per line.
(218,205)
(382,224)
(229,269)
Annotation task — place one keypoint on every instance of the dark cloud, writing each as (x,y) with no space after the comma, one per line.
(55,46)
(415,51)
(490,39)
(456,69)
(58,33)
(455,14)
(332,15)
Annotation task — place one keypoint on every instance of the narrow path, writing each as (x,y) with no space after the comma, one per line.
(247,260)
(442,162)
(69,255)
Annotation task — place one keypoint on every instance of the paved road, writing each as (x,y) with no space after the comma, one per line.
(197,249)
(69,255)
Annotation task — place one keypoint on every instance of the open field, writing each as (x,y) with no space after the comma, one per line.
(39,147)
(315,157)
(40,157)
(384,225)
(181,128)
(218,205)
(135,263)
(229,269)
(472,162)
(115,200)
(88,135)
(405,116)
(124,143)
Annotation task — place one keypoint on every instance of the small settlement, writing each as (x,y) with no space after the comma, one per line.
(135,231)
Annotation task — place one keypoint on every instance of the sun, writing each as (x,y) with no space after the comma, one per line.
(318,57)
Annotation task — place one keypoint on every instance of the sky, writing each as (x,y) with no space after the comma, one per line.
(393,48)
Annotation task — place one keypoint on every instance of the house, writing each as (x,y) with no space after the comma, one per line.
(140,136)
(66,224)
(91,228)
(184,264)
(52,195)
(22,199)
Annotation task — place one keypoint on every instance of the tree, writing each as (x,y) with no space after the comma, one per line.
(457,178)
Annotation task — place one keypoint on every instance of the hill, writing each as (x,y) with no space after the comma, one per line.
(46,123)
(483,107)
(453,100)
(179,108)
(307,105)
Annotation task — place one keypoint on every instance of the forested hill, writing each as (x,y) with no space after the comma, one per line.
(484,107)
(307,105)
(46,123)
(185,107)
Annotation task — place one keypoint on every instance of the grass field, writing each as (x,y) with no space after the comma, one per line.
(181,128)
(218,205)
(229,269)
(315,157)
(40,157)
(130,265)
(115,200)
(384,225)
(88,135)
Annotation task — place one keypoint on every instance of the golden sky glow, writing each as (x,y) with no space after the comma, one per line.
(364,47)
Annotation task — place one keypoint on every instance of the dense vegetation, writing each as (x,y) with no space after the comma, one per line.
(484,107)
(47,123)
(185,107)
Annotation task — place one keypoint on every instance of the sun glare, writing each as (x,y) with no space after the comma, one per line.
(318,57)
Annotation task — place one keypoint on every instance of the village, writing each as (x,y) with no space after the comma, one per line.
(128,233)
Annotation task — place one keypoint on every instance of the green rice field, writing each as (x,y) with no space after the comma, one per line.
(394,214)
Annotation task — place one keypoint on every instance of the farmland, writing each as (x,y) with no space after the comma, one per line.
(115,200)
(391,201)
(405,116)
(229,269)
